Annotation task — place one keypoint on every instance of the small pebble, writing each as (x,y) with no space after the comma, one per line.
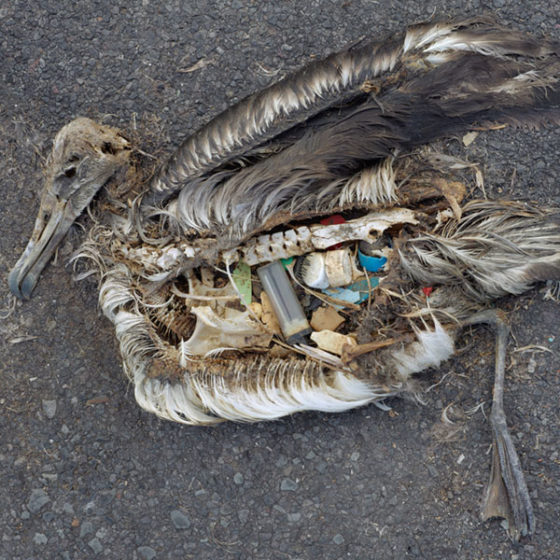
(95,545)
(432,470)
(414,550)
(238,478)
(288,485)
(48,516)
(50,477)
(40,539)
(37,499)
(146,553)
(49,408)
(89,508)
(338,539)
(180,520)
(86,529)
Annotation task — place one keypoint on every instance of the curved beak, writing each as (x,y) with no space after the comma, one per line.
(54,219)
(85,156)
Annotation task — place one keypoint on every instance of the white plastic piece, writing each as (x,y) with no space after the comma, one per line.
(338,265)
(329,269)
(332,342)
(312,271)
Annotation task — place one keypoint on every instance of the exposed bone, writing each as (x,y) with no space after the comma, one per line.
(170,255)
(280,245)
(366,228)
(296,242)
(352,351)
(320,355)
(268,248)
(202,292)
(236,329)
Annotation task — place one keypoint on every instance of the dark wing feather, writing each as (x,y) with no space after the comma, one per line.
(322,126)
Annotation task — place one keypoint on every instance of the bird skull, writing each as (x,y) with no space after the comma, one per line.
(84,156)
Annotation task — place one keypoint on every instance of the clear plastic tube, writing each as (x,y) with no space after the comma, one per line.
(284,301)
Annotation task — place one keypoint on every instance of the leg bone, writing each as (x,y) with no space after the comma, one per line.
(506,495)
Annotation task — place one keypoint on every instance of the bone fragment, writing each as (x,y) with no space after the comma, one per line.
(279,245)
(332,341)
(235,329)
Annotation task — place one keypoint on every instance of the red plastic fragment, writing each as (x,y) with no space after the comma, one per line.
(333,220)
(427,291)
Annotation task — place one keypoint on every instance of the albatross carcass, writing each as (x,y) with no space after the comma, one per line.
(304,250)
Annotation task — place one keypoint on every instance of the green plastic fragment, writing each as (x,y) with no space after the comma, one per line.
(287,262)
(242,280)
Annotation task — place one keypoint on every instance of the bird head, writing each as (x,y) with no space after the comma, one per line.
(84,157)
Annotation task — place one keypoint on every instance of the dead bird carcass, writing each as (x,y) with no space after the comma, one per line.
(276,263)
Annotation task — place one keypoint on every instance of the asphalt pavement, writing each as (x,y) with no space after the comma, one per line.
(85,473)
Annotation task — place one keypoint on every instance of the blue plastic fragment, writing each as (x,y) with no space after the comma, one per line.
(364,285)
(371,264)
(343,294)
(356,293)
